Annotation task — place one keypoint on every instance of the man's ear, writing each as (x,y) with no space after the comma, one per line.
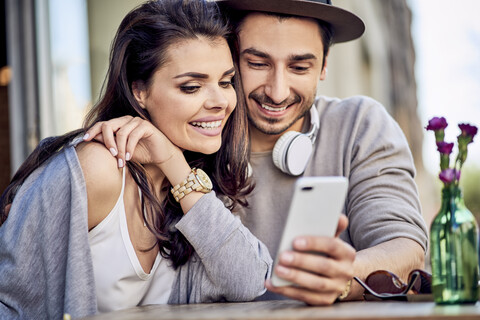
(140,93)
(323,75)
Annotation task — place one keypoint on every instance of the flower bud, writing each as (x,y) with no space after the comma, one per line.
(444,147)
(437,123)
(468,131)
(448,175)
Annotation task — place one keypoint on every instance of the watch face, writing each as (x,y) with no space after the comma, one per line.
(204,179)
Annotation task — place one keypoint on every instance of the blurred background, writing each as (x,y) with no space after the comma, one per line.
(418,58)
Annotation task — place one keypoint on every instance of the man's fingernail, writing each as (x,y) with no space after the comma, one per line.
(282,270)
(287,257)
(300,243)
(113,151)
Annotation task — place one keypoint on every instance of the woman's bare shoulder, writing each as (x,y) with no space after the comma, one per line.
(97,162)
(103,180)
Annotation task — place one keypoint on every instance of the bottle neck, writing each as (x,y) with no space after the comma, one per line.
(452,196)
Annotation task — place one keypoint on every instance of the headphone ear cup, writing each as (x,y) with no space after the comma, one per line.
(292,152)
(281,148)
(293,149)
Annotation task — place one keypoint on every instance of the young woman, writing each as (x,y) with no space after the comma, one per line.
(86,232)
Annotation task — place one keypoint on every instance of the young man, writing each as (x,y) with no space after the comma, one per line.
(283,49)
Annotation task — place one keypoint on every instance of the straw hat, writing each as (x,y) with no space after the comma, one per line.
(347,25)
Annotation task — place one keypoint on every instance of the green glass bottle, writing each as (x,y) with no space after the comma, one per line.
(454,251)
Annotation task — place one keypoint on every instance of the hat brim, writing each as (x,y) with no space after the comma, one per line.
(347,25)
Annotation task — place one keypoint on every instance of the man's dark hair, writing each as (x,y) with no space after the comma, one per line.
(327,32)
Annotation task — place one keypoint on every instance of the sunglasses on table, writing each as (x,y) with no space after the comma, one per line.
(385,285)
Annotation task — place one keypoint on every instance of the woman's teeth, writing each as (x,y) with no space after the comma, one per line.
(208,125)
(272,109)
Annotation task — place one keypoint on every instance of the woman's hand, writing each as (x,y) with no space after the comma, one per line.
(133,138)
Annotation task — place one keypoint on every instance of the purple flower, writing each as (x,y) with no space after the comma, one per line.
(468,130)
(437,123)
(448,175)
(451,174)
(444,147)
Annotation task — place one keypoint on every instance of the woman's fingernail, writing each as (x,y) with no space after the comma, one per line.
(127,156)
(113,151)
(120,163)
(86,136)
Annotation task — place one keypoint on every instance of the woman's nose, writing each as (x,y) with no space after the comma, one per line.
(217,99)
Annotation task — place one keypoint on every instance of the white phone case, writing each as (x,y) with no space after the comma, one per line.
(314,211)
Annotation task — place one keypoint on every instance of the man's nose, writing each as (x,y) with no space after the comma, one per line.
(277,87)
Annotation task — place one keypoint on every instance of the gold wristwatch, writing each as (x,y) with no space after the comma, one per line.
(197,180)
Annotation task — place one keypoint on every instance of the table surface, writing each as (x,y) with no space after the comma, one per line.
(289,310)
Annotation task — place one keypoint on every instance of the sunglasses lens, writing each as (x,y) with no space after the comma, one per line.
(384,282)
(425,282)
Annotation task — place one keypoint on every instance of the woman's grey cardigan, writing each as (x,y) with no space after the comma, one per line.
(45,261)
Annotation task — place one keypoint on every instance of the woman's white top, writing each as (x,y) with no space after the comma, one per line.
(119,278)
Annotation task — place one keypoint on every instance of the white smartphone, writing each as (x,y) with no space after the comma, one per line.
(314,211)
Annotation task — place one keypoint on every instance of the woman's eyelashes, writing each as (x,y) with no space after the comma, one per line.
(193,88)
(190,89)
(226,83)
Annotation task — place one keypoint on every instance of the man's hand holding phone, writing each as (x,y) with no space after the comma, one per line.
(317,265)
(318,279)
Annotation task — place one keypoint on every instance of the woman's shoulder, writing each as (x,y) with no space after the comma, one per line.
(103,179)
(97,161)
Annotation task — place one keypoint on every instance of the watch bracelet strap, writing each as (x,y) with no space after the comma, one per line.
(185,187)
(346,291)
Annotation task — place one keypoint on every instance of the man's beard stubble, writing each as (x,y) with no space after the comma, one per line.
(269,129)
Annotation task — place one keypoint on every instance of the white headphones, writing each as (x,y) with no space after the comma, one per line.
(294,149)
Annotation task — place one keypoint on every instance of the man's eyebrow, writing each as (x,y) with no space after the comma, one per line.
(302,57)
(293,57)
(256,52)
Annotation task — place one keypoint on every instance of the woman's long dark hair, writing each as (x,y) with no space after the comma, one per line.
(138,50)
